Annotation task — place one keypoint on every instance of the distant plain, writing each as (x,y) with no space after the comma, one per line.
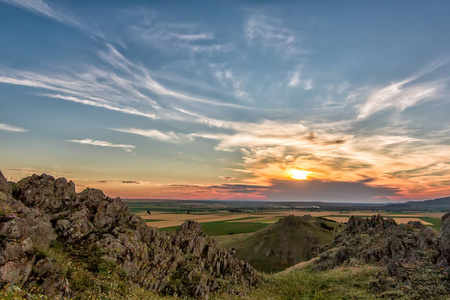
(226,221)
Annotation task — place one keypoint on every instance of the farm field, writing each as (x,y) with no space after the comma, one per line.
(227,223)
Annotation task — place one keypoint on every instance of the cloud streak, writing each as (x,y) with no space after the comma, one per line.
(11,128)
(124,87)
(403,94)
(41,7)
(169,137)
(99,143)
(270,33)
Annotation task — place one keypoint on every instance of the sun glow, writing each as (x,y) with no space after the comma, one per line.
(298,174)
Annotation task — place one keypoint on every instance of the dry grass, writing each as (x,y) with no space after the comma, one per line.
(169,220)
(406,220)
(165,219)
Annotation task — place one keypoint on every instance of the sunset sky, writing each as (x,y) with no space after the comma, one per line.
(287,100)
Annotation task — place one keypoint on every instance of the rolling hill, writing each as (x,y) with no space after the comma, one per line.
(285,243)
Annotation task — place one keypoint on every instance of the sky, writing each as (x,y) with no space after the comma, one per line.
(345,101)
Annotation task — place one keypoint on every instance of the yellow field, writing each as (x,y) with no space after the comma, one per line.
(169,220)
(166,219)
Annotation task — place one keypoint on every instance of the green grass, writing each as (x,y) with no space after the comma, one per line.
(348,283)
(224,227)
(283,244)
(152,220)
(437,224)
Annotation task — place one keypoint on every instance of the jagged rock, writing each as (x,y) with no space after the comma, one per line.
(406,252)
(443,247)
(378,240)
(45,209)
(4,186)
(44,192)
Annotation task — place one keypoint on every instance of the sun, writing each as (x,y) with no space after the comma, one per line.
(299,174)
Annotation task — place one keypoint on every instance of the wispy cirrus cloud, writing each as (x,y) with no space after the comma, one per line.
(270,33)
(123,86)
(169,136)
(403,94)
(228,79)
(11,128)
(147,27)
(43,8)
(99,143)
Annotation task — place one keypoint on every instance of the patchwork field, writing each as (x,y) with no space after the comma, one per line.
(226,222)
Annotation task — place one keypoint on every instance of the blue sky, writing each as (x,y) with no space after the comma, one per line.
(227,99)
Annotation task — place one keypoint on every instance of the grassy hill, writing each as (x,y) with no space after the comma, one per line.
(285,243)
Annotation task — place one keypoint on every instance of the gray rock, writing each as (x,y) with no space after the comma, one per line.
(46,209)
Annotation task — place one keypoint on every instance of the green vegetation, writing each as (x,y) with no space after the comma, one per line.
(437,223)
(224,227)
(285,243)
(342,283)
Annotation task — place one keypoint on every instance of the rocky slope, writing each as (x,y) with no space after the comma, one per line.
(416,256)
(40,212)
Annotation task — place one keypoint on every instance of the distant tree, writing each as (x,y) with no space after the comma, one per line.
(188,212)
(149,212)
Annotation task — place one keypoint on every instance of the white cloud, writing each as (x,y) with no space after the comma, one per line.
(271,33)
(403,94)
(10,128)
(122,86)
(228,79)
(172,37)
(170,136)
(128,148)
(294,80)
(43,8)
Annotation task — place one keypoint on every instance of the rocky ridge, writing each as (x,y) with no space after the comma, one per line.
(415,255)
(40,211)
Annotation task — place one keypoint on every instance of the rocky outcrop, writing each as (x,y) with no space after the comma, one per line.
(41,210)
(443,246)
(407,253)
(379,240)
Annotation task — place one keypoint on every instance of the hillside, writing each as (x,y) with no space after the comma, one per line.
(285,243)
(56,243)
(439,204)
(65,244)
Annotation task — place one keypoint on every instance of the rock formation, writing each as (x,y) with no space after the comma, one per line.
(443,243)
(415,255)
(379,240)
(39,211)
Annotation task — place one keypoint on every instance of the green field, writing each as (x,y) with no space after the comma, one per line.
(224,228)
(437,223)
